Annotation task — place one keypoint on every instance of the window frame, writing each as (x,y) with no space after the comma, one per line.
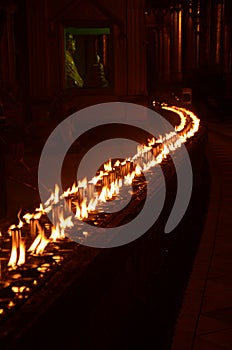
(75,25)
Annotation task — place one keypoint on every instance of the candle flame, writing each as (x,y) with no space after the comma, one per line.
(20,224)
(18,249)
(40,242)
(14,255)
(83,183)
(22,252)
(108,166)
(109,180)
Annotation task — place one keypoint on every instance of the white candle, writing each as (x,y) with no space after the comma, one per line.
(67,203)
(90,190)
(82,193)
(128,166)
(33,227)
(105,180)
(55,213)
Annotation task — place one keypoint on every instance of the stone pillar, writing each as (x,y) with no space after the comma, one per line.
(161,54)
(208,43)
(3,182)
(8,69)
(227,50)
(219,20)
(190,46)
(105,49)
(176,23)
(136,49)
(166,51)
(39,75)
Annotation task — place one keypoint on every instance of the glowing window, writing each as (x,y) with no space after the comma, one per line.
(87,57)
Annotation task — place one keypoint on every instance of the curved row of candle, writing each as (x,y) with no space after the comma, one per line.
(85,197)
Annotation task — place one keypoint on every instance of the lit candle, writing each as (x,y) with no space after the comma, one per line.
(81,193)
(139,161)
(155,149)
(14,237)
(33,227)
(67,203)
(112,176)
(150,156)
(56,208)
(128,166)
(123,168)
(90,190)
(22,250)
(105,180)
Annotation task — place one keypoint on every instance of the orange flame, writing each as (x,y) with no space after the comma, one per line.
(70,191)
(22,251)
(18,250)
(83,182)
(20,224)
(14,255)
(40,242)
(56,194)
(81,210)
(147,156)
(92,204)
(117,163)
(55,235)
(108,166)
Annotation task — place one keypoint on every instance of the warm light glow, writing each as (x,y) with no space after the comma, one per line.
(40,242)
(70,191)
(108,166)
(81,210)
(144,159)
(56,194)
(20,224)
(55,235)
(65,223)
(22,253)
(13,257)
(180,41)
(41,209)
(103,194)
(18,249)
(85,198)
(82,183)
(92,204)
(129,178)
(17,289)
(28,217)
(117,163)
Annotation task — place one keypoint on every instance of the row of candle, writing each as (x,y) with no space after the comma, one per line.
(86,191)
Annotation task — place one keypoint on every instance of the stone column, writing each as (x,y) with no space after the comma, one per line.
(8,69)
(39,72)
(161,54)
(219,20)
(136,49)
(227,50)
(166,51)
(176,23)
(37,46)
(3,182)
(190,46)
